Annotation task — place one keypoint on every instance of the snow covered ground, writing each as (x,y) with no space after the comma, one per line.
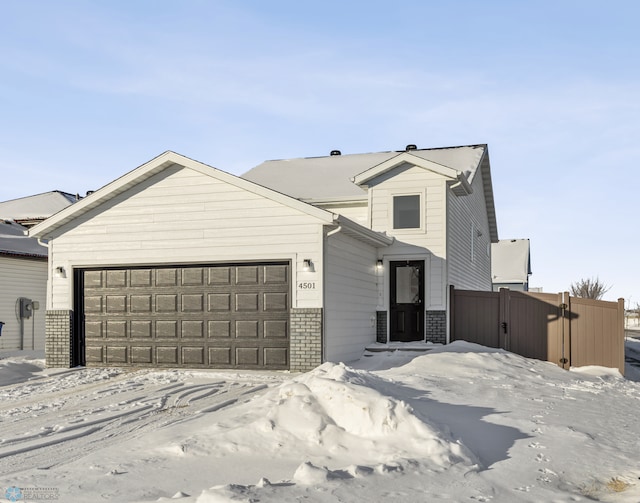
(459,423)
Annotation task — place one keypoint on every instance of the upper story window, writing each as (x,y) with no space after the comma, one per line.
(406,212)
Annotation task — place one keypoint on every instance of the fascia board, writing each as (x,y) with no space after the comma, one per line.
(365,234)
(154,166)
(366,176)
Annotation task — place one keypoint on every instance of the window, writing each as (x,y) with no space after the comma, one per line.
(406,212)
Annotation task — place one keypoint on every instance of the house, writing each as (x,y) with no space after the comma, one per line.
(30,210)
(23,288)
(297,262)
(511,264)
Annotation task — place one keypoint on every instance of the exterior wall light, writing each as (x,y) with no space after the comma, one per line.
(307,265)
(60,272)
(379,264)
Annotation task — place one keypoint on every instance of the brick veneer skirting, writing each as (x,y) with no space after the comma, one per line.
(59,333)
(436,329)
(306,339)
(381,327)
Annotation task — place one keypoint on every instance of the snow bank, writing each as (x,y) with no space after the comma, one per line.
(341,414)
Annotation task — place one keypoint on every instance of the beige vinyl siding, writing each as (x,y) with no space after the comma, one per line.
(357,212)
(183,216)
(22,277)
(351,298)
(469,261)
(427,243)
(405,181)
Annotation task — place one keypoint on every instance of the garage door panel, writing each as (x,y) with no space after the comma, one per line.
(141,277)
(276,275)
(141,354)
(219,276)
(167,355)
(276,329)
(192,355)
(276,356)
(275,301)
(141,329)
(193,329)
(193,276)
(226,316)
(167,303)
(219,302)
(246,302)
(94,354)
(247,275)
(220,356)
(219,329)
(116,329)
(117,354)
(193,302)
(247,357)
(167,277)
(167,328)
(141,303)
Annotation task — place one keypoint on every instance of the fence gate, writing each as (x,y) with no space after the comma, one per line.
(565,330)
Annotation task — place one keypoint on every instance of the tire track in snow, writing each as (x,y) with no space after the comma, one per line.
(116,411)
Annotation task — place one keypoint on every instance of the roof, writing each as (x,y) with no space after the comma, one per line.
(14,242)
(37,207)
(47,229)
(342,177)
(510,261)
(322,178)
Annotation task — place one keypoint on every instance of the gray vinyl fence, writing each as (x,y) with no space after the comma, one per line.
(568,331)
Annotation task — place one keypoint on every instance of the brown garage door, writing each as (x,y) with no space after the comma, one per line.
(216,316)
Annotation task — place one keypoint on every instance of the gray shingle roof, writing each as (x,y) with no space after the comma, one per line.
(13,242)
(37,207)
(325,178)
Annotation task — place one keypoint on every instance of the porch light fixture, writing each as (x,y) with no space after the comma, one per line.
(307,265)
(60,272)
(379,264)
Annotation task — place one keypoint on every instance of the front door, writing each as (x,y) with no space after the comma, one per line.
(407,300)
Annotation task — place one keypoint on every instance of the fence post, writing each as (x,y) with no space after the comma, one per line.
(620,330)
(452,332)
(565,313)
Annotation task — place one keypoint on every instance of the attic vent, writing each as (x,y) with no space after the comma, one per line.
(411,146)
(336,152)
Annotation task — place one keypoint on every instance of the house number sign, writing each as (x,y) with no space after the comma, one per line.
(306,285)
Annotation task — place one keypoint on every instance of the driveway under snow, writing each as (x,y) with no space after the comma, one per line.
(460,423)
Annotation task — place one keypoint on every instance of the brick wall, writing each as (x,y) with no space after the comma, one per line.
(381,327)
(436,327)
(306,339)
(59,333)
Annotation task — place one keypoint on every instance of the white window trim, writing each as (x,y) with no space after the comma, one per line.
(423,214)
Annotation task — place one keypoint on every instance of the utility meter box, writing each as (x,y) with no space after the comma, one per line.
(26,307)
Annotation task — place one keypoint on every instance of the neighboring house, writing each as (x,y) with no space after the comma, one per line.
(31,210)
(297,262)
(511,264)
(23,288)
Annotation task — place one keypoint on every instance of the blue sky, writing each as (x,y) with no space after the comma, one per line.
(92,89)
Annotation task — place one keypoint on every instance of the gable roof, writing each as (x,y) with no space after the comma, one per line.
(168,159)
(36,207)
(510,261)
(342,177)
(15,243)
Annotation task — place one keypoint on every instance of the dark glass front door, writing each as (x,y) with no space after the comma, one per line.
(407,300)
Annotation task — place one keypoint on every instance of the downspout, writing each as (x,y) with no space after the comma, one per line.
(334,231)
(49,275)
